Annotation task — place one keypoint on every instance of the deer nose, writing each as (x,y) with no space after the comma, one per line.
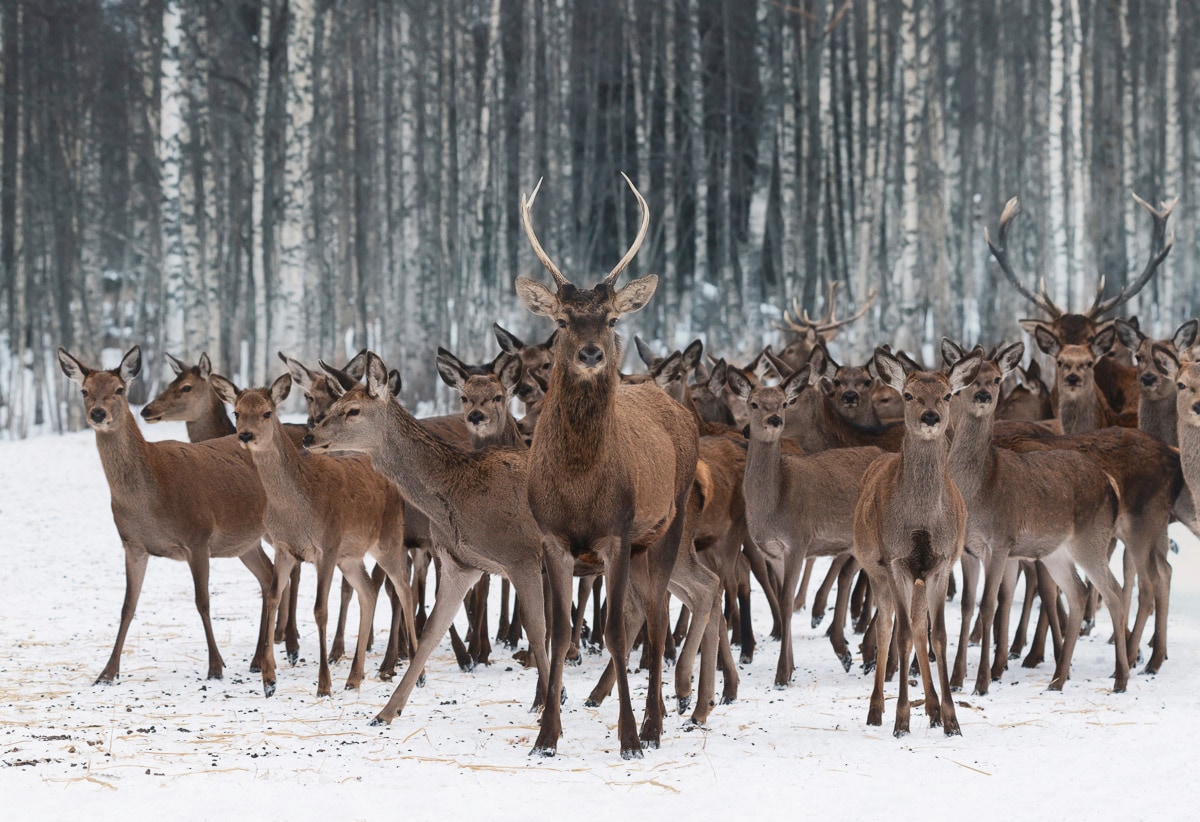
(591,355)
(930,418)
(983,396)
(1148,380)
(523,390)
(1073,379)
(1196,408)
(775,421)
(98,415)
(245,436)
(308,440)
(850,397)
(475,417)
(146,413)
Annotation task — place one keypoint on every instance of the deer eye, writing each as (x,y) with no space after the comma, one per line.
(612,323)
(184,389)
(267,415)
(907,397)
(353,412)
(498,398)
(754,405)
(236,415)
(946,398)
(84,393)
(120,391)
(1178,385)
(996,381)
(562,323)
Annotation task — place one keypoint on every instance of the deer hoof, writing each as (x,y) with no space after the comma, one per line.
(847,662)
(746,659)
(544,752)
(691,725)
(817,618)
(685,703)
(728,700)
(590,703)
(421,680)
(562,697)
(1174,546)
(632,753)
(575,661)
(269,689)
(293,657)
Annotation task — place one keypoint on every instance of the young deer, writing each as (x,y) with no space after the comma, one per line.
(183,501)
(1156,391)
(610,472)
(1058,507)
(536,362)
(1029,399)
(1079,403)
(909,529)
(851,388)
(796,506)
(309,518)
(474,502)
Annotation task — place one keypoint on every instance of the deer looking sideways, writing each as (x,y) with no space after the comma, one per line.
(610,470)
(220,516)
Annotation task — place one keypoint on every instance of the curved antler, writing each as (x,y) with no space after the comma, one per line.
(829,322)
(526,204)
(1160,247)
(637,241)
(1000,252)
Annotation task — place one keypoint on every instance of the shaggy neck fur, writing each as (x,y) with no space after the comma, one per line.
(577,417)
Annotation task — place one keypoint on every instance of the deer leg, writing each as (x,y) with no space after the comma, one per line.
(616,580)
(652,578)
(453,583)
(802,594)
(1018,642)
(284,561)
(291,629)
(744,628)
(481,644)
(527,583)
(837,631)
(338,649)
(198,562)
(135,574)
(1062,569)
(1047,593)
(355,573)
(793,566)
(392,561)
(599,612)
(882,631)
(1096,567)
(1162,604)
(698,588)
(559,567)
(681,625)
(936,600)
(420,570)
(920,626)
(970,574)
(758,567)
(1007,585)
(574,654)
(325,566)
(1131,572)
(634,619)
(993,577)
(821,597)
(902,594)
(391,654)
(859,601)
(502,627)
(515,624)
(259,564)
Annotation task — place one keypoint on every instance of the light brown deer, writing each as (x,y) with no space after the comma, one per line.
(1058,507)
(1079,403)
(817,332)
(796,506)
(1156,392)
(610,472)
(851,388)
(536,362)
(474,502)
(182,501)
(330,511)
(1118,382)
(909,528)
(1029,399)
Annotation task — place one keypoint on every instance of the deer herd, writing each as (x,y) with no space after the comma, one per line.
(685,481)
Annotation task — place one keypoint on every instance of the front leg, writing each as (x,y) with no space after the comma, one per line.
(198,562)
(135,573)
(255,559)
(325,566)
(284,562)
(792,568)
(355,573)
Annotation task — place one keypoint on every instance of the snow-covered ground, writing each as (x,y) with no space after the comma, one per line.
(165,741)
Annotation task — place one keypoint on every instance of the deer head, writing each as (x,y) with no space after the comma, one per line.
(255,410)
(359,413)
(586,341)
(1151,382)
(849,386)
(1075,372)
(484,397)
(315,385)
(767,404)
(104,391)
(671,373)
(811,333)
(536,362)
(187,396)
(1186,377)
(982,395)
(927,394)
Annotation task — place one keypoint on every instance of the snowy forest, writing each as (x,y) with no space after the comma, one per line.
(245,176)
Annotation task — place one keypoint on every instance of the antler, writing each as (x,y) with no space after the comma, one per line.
(1000,252)
(526,204)
(828,322)
(1160,247)
(637,241)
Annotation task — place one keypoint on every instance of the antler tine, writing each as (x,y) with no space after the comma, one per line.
(1044,293)
(1000,252)
(526,205)
(1160,246)
(866,306)
(831,302)
(637,241)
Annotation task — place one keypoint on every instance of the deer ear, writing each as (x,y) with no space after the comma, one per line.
(890,371)
(225,389)
(377,375)
(450,369)
(394,382)
(794,385)
(333,379)
(204,366)
(509,341)
(1185,336)
(280,389)
(818,361)
(72,367)
(634,295)
(964,372)
(952,352)
(1010,358)
(509,371)
(1165,361)
(176,364)
(666,366)
(131,364)
(1046,340)
(644,352)
(1034,372)
(300,375)
(537,298)
(718,378)
(357,365)
(1128,334)
(738,384)
(1103,342)
(702,373)
(692,355)
(1029,326)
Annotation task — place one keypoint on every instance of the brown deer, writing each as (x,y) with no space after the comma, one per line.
(1029,399)
(536,361)
(909,528)
(182,501)
(1156,391)
(851,388)
(817,332)
(610,472)
(330,511)
(1058,507)
(1080,405)
(1118,382)
(796,506)
(474,502)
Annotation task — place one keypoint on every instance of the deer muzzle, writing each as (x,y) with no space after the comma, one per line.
(97,415)
(774,421)
(930,418)
(591,355)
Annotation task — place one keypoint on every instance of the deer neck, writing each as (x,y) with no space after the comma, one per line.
(764,473)
(971,454)
(1079,415)
(923,471)
(1159,419)
(214,423)
(423,467)
(281,469)
(1189,457)
(579,413)
(125,455)
(508,437)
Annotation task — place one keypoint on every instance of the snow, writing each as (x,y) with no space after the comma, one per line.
(164,740)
